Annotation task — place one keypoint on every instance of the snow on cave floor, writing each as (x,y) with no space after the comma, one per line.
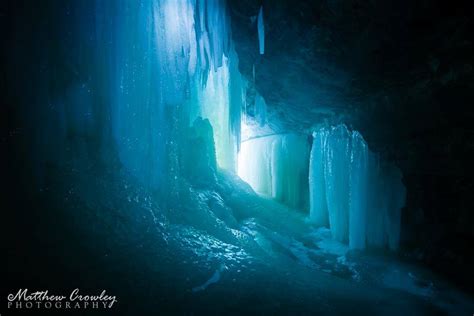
(263,258)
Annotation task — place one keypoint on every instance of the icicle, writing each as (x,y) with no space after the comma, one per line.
(261,32)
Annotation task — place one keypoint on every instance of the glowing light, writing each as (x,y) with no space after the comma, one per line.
(276,166)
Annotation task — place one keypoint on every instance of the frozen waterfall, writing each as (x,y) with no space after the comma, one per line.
(169,88)
(350,190)
(170,63)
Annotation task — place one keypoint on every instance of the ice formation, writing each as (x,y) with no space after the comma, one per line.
(166,102)
(261,32)
(174,62)
(352,192)
(277,166)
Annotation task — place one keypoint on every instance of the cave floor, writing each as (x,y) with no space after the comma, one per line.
(109,233)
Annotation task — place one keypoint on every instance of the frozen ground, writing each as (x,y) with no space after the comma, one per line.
(222,248)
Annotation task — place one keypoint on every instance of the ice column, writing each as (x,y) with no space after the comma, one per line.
(352,191)
(336,174)
(358,194)
(317,186)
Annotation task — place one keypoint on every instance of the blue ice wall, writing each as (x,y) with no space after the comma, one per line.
(352,192)
(135,78)
(163,64)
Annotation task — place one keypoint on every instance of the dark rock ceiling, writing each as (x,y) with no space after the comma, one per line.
(375,65)
(401,72)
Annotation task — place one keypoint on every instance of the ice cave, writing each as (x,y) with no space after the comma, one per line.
(227,157)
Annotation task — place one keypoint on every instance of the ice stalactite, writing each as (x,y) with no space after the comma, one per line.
(352,192)
(261,32)
(277,166)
